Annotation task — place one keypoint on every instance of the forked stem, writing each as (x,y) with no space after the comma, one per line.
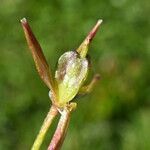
(46,124)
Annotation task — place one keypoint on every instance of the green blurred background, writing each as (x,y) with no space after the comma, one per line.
(116,115)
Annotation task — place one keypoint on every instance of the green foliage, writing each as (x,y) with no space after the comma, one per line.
(136,135)
(120,53)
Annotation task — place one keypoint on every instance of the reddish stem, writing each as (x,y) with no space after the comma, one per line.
(61,131)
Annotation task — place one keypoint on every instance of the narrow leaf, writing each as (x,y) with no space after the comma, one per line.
(38,56)
(83,48)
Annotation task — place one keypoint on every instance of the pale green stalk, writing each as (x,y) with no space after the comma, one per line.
(46,124)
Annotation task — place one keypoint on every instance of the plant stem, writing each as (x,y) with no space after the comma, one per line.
(61,130)
(46,124)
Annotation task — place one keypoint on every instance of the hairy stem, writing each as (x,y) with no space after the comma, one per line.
(61,130)
(46,124)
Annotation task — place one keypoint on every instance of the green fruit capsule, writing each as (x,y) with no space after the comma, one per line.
(70,74)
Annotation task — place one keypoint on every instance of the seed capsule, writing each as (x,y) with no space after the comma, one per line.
(70,74)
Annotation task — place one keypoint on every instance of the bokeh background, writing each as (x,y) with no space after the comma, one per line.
(116,115)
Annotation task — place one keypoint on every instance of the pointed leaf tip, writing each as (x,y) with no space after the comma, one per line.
(83,48)
(93,32)
(23,20)
(99,21)
(38,56)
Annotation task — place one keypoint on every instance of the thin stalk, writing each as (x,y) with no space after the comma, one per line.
(46,124)
(61,130)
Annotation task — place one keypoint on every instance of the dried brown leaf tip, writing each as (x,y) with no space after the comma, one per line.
(71,71)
